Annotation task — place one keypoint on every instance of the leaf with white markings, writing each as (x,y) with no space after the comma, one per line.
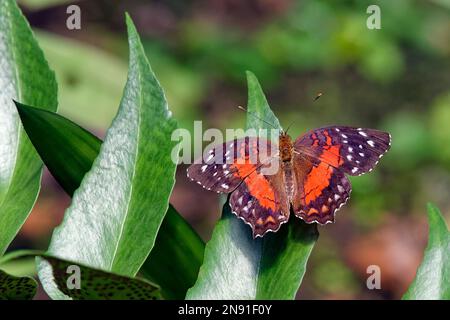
(24,76)
(116,213)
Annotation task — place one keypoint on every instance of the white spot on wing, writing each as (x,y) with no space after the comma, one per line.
(362,133)
(349,157)
(225,186)
(355,169)
(340,188)
(371,143)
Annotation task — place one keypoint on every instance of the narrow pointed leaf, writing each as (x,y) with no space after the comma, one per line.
(69,151)
(16,288)
(432,280)
(24,76)
(236,266)
(65,280)
(116,213)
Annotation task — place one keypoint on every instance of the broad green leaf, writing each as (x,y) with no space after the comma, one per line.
(69,151)
(16,288)
(236,266)
(24,76)
(60,279)
(116,213)
(432,280)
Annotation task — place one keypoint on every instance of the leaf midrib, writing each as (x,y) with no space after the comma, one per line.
(122,227)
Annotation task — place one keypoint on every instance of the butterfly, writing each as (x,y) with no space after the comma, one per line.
(311,177)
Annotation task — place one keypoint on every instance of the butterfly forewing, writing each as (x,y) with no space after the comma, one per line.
(223,167)
(353,150)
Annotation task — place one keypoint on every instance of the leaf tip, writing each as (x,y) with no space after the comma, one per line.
(250,75)
(131,28)
(435,215)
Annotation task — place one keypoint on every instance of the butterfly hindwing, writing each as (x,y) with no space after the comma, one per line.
(322,190)
(353,150)
(261,201)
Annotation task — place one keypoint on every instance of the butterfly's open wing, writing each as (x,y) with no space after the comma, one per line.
(321,190)
(223,167)
(261,201)
(353,150)
(321,159)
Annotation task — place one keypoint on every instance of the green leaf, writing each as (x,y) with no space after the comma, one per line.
(59,278)
(176,257)
(432,280)
(25,76)
(236,266)
(43,4)
(69,151)
(16,288)
(259,107)
(116,213)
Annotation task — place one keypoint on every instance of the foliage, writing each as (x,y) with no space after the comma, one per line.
(432,280)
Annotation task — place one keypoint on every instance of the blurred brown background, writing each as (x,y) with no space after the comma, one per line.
(396,79)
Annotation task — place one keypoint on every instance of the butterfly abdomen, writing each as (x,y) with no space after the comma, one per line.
(289,176)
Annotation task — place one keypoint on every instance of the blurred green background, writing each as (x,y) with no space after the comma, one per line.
(396,79)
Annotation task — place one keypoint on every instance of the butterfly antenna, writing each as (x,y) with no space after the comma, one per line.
(254,115)
(289,127)
(319,94)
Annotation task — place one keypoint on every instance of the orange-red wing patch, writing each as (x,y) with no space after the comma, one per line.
(332,156)
(260,188)
(316,181)
(261,201)
(322,190)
